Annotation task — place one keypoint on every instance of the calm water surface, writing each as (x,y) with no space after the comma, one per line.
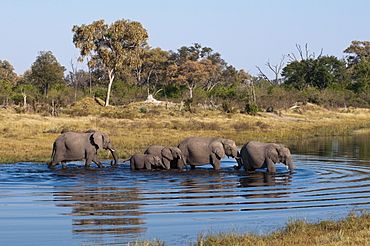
(111,206)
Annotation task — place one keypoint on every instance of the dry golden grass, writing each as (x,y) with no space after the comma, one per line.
(135,127)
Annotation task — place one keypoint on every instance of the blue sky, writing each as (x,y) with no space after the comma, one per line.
(246,33)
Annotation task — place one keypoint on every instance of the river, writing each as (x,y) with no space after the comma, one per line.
(114,206)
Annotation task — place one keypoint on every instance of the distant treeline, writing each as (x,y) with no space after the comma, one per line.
(122,68)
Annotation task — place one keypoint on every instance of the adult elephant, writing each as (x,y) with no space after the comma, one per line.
(171,157)
(256,155)
(72,146)
(200,151)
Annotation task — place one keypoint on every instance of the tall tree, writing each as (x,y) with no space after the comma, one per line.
(7,72)
(111,46)
(361,76)
(46,71)
(153,67)
(358,50)
(192,74)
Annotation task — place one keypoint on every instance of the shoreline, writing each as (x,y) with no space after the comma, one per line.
(29,137)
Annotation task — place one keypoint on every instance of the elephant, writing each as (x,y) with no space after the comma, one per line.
(200,151)
(147,161)
(72,146)
(255,154)
(171,157)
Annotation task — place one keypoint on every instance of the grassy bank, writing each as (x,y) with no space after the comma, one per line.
(352,230)
(133,128)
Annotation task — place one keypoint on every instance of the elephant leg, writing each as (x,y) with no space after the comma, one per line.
(148,165)
(271,166)
(166,163)
(88,162)
(132,165)
(216,166)
(215,162)
(192,167)
(97,161)
(64,164)
(52,164)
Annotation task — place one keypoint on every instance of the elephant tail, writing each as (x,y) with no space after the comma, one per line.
(52,155)
(124,160)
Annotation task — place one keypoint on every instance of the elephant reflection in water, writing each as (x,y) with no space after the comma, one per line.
(263,179)
(103,210)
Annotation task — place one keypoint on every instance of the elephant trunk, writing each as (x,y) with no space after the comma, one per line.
(182,158)
(114,157)
(289,163)
(239,161)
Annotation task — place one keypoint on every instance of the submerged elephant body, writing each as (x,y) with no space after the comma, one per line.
(200,151)
(72,146)
(145,161)
(171,157)
(255,155)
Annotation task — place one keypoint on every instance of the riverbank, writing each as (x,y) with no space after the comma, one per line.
(352,230)
(29,137)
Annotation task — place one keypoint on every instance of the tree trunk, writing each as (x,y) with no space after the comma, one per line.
(111,78)
(24,100)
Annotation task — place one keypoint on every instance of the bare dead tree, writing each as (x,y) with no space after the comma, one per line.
(74,80)
(303,54)
(262,74)
(276,69)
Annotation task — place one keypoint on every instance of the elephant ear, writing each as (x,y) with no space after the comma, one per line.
(166,152)
(97,138)
(272,153)
(218,148)
(106,140)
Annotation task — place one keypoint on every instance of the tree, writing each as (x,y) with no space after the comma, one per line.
(357,51)
(320,73)
(209,65)
(276,69)
(152,68)
(46,71)
(110,46)
(7,72)
(77,78)
(192,74)
(361,76)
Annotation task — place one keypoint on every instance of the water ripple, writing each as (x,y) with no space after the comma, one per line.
(117,205)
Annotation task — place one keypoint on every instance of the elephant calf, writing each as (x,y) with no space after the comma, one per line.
(171,157)
(256,155)
(147,161)
(72,146)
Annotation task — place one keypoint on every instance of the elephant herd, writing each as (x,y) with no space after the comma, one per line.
(193,151)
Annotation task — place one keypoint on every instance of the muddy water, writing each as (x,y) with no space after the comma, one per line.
(111,206)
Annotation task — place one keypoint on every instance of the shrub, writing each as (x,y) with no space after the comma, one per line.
(251,108)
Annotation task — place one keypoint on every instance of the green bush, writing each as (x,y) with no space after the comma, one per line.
(251,108)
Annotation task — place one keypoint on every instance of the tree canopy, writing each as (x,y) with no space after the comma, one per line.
(111,46)
(122,68)
(46,71)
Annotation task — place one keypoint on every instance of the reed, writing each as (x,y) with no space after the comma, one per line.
(29,137)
